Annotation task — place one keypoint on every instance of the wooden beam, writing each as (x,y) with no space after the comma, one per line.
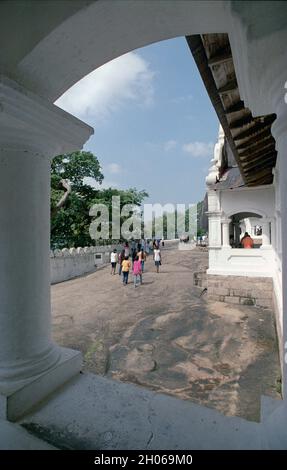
(230,86)
(243,121)
(234,108)
(197,49)
(268,119)
(264,180)
(260,161)
(247,139)
(220,57)
(248,144)
(257,153)
(267,173)
(267,179)
(259,174)
(256,129)
(257,146)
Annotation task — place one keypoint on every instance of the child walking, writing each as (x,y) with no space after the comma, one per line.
(126,265)
(114,260)
(142,258)
(137,271)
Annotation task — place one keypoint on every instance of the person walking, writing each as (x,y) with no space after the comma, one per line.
(134,253)
(147,247)
(120,260)
(114,260)
(142,257)
(137,271)
(126,249)
(157,258)
(126,266)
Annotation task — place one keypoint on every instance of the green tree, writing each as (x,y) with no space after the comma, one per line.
(72,198)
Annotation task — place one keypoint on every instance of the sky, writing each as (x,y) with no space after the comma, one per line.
(155,127)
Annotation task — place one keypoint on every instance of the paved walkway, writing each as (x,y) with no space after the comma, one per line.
(165,336)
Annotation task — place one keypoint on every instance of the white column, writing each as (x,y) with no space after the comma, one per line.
(265,223)
(279,130)
(225,233)
(32,131)
(214,215)
(277,219)
(25,347)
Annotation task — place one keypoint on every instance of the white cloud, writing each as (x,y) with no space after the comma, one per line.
(125,79)
(161,146)
(169,145)
(114,168)
(199,149)
(105,184)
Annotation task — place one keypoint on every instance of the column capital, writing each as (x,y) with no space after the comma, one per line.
(28,122)
(215,214)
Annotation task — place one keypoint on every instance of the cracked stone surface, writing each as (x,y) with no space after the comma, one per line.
(167,337)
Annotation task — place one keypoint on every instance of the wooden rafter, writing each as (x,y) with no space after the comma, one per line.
(256,146)
(239,106)
(268,157)
(258,154)
(239,123)
(220,57)
(249,137)
(228,87)
(196,46)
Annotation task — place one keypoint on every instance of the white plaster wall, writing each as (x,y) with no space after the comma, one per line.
(258,200)
(240,262)
(67,264)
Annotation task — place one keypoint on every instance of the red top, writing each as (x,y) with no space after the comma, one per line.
(247,242)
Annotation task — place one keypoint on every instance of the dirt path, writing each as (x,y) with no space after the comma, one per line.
(165,336)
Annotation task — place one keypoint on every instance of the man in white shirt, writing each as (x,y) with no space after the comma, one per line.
(114,260)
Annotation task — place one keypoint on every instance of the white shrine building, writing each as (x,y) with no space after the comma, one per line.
(237,275)
(242,187)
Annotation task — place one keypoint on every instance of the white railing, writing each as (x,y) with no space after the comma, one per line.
(72,262)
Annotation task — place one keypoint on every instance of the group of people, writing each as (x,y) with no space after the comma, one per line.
(133,257)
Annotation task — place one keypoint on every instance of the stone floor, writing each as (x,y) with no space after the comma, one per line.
(165,335)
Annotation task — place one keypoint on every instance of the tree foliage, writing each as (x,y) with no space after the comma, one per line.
(70,223)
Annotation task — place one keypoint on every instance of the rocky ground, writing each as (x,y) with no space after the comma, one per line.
(166,336)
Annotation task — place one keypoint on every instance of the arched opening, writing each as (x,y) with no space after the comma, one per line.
(155,351)
(243,224)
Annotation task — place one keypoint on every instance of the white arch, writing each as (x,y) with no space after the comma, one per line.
(105,30)
(246,209)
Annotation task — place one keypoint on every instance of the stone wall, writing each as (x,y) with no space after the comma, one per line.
(72,262)
(241,290)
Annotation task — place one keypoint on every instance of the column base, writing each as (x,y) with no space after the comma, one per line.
(19,398)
